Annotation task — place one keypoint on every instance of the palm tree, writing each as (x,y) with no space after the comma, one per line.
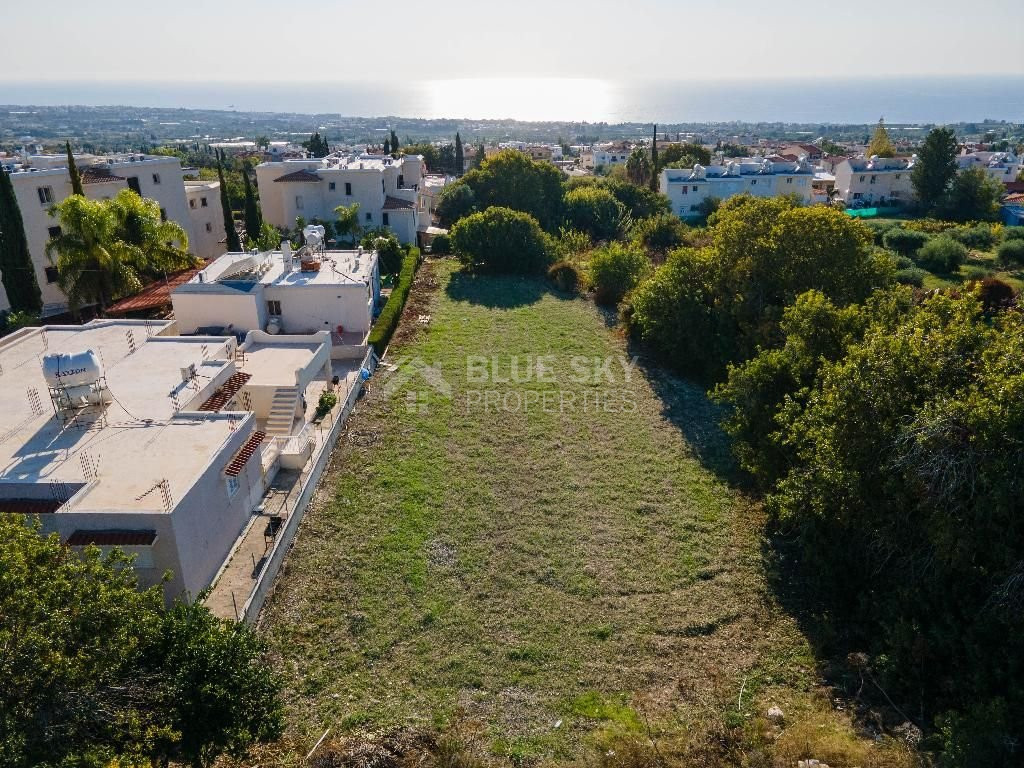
(162,245)
(94,266)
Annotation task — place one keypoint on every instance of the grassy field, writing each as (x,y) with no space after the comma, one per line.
(558,572)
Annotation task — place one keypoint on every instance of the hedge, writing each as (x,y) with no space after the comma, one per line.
(388,319)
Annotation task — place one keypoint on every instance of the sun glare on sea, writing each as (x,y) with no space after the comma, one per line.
(521,98)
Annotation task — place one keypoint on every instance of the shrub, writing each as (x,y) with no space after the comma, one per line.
(615,270)
(565,276)
(904,241)
(911,276)
(1011,252)
(1013,233)
(389,252)
(660,234)
(995,294)
(326,402)
(501,240)
(976,273)
(594,211)
(980,236)
(942,254)
(903,262)
(879,228)
(929,226)
(455,202)
(441,245)
(392,312)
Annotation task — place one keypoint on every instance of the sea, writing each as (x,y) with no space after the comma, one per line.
(901,100)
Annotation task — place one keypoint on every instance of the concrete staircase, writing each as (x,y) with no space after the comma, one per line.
(282,411)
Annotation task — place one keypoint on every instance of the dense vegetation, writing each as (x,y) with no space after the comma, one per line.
(388,319)
(97,671)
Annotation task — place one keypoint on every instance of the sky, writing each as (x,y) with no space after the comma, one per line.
(307,41)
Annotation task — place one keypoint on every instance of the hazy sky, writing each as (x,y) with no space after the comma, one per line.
(328,40)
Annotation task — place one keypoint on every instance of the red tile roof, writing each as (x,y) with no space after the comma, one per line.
(29,506)
(112,538)
(235,466)
(300,175)
(98,176)
(154,295)
(227,390)
(397,204)
(1014,186)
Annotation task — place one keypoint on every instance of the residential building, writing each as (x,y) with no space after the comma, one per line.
(1001,166)
(608,155)
(206,219)
(281,292)
(875,180)
(810,151)
(386,189)
(121,434)
(687,188)
(40,181)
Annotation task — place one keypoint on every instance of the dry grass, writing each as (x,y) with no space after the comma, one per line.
(571,587)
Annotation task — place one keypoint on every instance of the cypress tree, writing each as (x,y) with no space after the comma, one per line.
(233,243)
(16,270)
(76,177)
(460,160)
(394,142)
(387,146)
(480,155)
(654,160)
(253,219)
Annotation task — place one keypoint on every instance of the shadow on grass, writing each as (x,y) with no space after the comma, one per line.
(498,291)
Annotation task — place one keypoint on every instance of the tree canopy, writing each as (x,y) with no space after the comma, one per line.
(96,670)
(880,143)
(511,179)
(595,211)
(502,240)
(935,167)
(316,145)
(16,268)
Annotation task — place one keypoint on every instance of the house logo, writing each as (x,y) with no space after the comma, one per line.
(403,372)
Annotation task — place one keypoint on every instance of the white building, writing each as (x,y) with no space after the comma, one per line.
(164,446)
(687,188)
(304,292)
(1001,166)
(608,155)
(875,180)
(206,219)
(41,180)
(386,190)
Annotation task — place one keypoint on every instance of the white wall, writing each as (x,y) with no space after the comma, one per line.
(217,306)
(309,308)
(206,221)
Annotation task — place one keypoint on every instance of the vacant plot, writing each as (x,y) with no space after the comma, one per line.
(527,545)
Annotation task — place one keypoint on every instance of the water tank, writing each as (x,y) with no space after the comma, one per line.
(314,234)
(72,370)
(274,325)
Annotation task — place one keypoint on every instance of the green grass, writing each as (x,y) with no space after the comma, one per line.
(557,579)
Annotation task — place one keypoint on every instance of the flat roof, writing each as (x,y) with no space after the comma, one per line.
(122,458)
(244,271)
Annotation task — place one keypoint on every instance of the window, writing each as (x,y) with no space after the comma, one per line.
(133,185)
(45,195)
(684,191)
(348,188)
(369,216)
(191,203)
(209,227)
(789,179)
(753,182)
(54,232)
(857,195)
(873,179)
(232,483)
(384,219)
(331,186)
(897,176)
(695,189)
(156,178)
(298,202)
(862,178)
(401,181)
(52,275)
(274,308)
(202,202)
(163,214)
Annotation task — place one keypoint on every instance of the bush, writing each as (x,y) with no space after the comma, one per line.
(1011,252)
(441,245)
(929,226)
(995,294)
(565,276)
(911,276)
(594,211)
(980,236)
(615,270)
(324,405)
(879,228)
(392,312)
(903,262)
(942,254)
(501,240)
(389,251)
(455,202)
(660,234)
(1013,233)
(904,241)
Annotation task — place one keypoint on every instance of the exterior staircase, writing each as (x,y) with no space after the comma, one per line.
(282,411)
